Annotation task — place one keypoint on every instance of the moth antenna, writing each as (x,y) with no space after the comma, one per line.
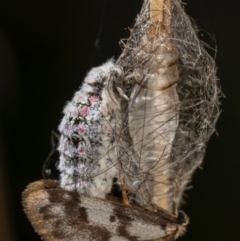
(125,199)
(45,168)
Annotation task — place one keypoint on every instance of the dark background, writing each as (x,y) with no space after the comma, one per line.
(46,48)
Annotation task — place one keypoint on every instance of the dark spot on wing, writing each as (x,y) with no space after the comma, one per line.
(56,196)
(112,218)
(72,207)
(58,234)
(45,212)
(58,225)
(125,221)
(99,233)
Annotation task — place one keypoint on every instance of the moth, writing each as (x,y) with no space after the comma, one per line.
(143,120)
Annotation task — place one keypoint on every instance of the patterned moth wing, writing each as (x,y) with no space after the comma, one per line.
(61,215)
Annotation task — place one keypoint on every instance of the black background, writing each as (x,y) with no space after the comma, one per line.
(46,48)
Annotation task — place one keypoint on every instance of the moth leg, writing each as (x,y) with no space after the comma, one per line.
(125,199)
(175,194)
(174,205)
(121,92)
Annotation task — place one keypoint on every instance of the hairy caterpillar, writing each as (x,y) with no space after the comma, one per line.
(145,120)
(89,129)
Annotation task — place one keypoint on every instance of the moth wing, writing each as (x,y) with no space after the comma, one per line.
(60,215)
